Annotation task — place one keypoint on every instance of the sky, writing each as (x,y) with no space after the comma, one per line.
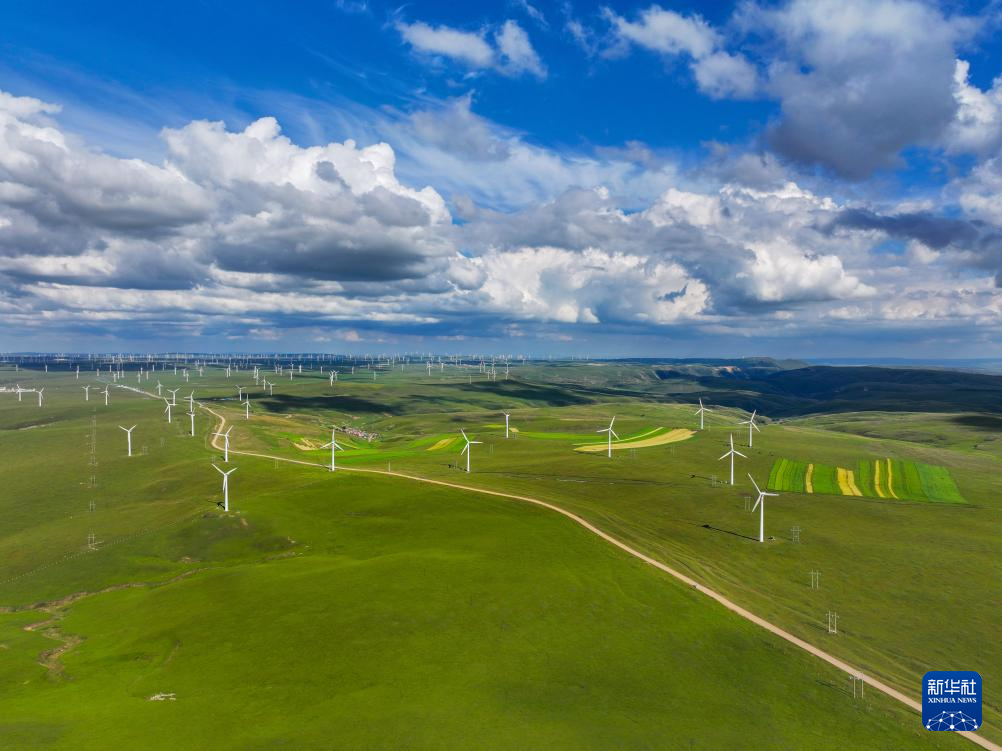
(798,179)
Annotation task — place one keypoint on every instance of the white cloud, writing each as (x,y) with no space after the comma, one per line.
(517,51)
(465,46)
(718,73)
(511,54)
(667,32)
(589,287)
(977,127)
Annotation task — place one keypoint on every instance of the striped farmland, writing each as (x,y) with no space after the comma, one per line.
(871,478)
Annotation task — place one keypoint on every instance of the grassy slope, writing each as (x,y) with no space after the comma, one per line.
(408,617)
(878,573)
(647,497)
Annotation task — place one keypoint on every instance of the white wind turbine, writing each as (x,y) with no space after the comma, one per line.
(40,396)
(226,486)
(86,393)
(105,392)
(226,443)
(732,453)
(506,416)
(167,410)
(191,401)
(760,502)
(750,422)
(611,433)
(240,393)
(466,449)
(173,396)
(333,446)
(128,433)
(701,411)
(247,409)
(160,388)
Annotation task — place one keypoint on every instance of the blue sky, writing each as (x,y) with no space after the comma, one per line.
(793,178)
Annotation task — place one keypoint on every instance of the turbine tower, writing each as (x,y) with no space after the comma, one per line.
(760,502)
(506,416)
(128,433)
(333,446)
(701,411)
(466,449)
(750,422)
(611,433)
(226,444)
(732,453)
(226,486)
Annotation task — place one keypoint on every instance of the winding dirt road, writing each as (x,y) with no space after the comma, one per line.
(729,604)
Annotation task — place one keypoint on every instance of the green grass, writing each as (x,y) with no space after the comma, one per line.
(365,545)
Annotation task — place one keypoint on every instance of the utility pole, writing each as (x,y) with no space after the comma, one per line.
(815,579)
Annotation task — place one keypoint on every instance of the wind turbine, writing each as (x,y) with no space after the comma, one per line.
(240,393)
(128,432)
(247,409)
(333,446)
(700,412)
(105,392)
(466,449)
(226,486)
(611,433)
(506,416)
(86,393)
(160,388)
(732,453)
(191,402)
(226,443)
(750,422)
(761,501)
(40,396)
(167,410)
(173,396)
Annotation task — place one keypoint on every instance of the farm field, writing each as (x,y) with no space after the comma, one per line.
(877,478)
(315,541)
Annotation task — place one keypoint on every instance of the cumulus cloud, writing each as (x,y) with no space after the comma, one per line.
(511,53)
(589,287)
(718,73)
(859,80)
(244,230)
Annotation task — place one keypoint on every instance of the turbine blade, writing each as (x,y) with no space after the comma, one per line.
(757,503)
(740,454)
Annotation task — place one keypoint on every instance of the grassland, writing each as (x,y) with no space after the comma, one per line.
(328,597)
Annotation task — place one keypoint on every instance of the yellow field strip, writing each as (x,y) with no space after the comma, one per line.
(808,484)
(876,479)
(890,480)
(847,481)
(672,436)
(442,443)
